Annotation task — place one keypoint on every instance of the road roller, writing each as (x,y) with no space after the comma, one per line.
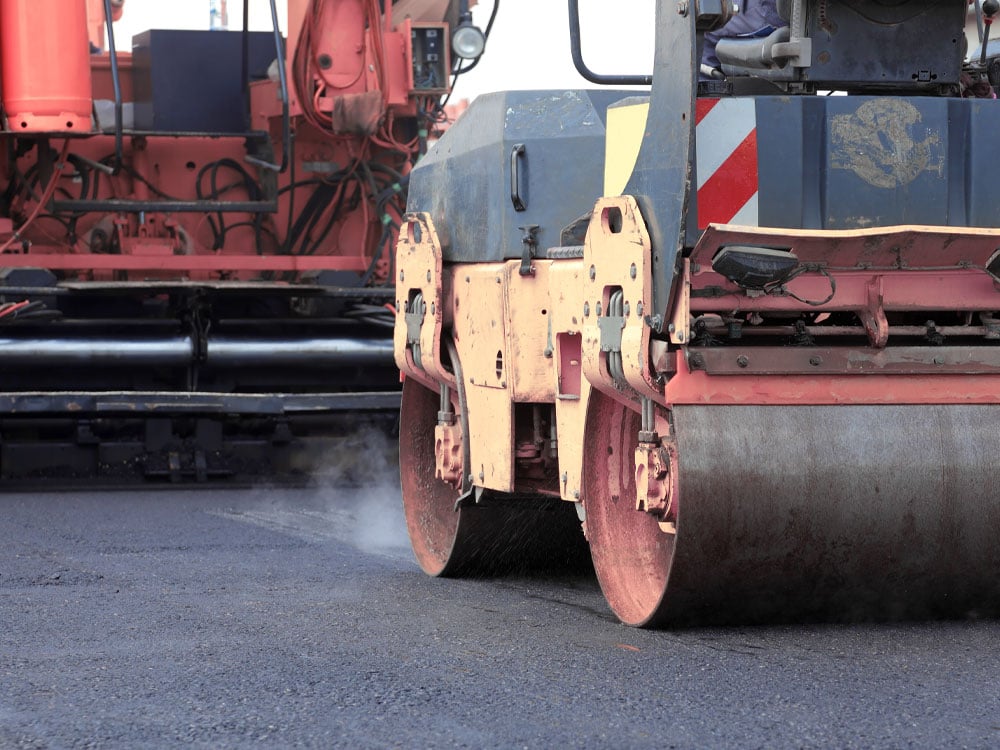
(196,237)
(741,325)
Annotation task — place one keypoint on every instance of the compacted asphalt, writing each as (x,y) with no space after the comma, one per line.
(297,617)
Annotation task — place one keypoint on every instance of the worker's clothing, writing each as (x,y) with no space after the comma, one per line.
(757,18)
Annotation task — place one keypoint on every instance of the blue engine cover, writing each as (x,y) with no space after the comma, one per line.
(464,182)
(849,162)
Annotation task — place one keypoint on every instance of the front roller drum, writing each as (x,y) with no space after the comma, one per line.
(800,513)
(502,534)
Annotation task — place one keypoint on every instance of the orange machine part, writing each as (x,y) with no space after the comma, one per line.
(45,56)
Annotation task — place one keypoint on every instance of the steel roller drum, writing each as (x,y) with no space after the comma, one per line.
(803,512)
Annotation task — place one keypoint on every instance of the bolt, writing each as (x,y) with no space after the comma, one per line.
(428,276)
(472,381)
(638,309)
(325,62)
(565,477)
(682,8)
(402,276)
(593,273)
(680,337)
(432,308)
(815,360)
(498,279)
(599,309)
(628,309)
(576,494)
(671,328)
(482,476)
(939,360)
(586,309)
(742,361)
(633,271)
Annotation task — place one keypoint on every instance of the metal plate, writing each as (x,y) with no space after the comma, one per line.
(901,360)
(842,513)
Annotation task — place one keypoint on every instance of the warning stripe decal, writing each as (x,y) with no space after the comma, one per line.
(702,108)
(726,161)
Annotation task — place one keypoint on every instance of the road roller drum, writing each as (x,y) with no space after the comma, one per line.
(812,512)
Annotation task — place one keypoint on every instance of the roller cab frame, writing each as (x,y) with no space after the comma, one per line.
(764,366)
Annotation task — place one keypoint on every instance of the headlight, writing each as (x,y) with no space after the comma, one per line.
(468,41)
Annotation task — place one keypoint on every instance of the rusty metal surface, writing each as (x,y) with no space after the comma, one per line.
(900,360)
(789,513)
(882,248)
(905,290)
(443,538)
(618,299)
(835,513)
(497,535)
(688,386)
(166,402)
(418,272)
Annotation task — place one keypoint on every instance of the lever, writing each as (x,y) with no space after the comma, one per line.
(990,8)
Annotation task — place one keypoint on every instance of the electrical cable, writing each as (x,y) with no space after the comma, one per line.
(781,288)
(46,195)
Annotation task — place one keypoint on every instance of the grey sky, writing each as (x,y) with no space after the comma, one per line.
(529,47)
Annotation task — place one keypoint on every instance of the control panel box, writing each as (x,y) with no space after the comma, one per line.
(430,48)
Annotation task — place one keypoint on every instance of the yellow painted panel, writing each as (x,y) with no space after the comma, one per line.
(626,125)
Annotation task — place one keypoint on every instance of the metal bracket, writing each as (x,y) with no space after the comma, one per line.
(529,243)
(713,14)
(655,481)
(616,342)
(448,454)
(873,317)
(415,312)
(611,327)
(679,327)
(419,272)
(612,324)
(798,48)
(991,324)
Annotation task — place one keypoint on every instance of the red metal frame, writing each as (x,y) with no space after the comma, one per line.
(692,387)
(177,243)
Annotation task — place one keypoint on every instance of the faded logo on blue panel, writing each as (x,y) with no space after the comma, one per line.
(884,144)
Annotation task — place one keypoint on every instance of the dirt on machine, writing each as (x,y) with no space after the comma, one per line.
(741,332)
(196,237)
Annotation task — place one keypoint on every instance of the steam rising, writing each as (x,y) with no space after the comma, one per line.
(378,523)
(354,498)
(363,482)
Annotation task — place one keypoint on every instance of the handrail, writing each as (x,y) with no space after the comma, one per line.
(116,83)
(581,66)
(286,119)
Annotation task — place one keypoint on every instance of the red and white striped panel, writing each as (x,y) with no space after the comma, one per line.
(726,161)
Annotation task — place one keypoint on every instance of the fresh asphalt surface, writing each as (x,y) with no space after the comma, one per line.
(275,618)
